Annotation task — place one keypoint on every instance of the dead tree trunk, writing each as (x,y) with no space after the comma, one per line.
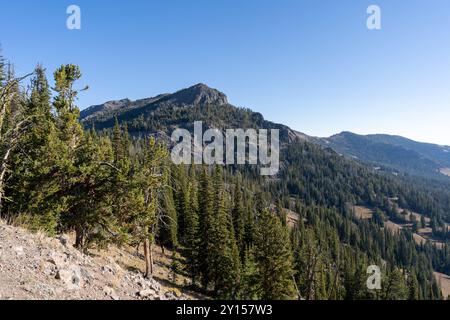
(79,238)
(311,276)
(4,166)
(3,170)
(151,258)
(148,255)
(9,138)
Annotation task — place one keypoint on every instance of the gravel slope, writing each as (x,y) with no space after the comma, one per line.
(36,267)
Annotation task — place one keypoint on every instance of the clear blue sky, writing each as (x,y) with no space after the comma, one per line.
(311,64)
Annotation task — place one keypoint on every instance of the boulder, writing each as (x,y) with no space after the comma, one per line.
(110,292)
(58,259)
(71,277)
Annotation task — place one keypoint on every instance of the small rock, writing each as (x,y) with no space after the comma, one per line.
(174,292)
(169,296)
(71,277)
(64,240)
(48,268)
(110,292)
(86,275)
(113,269)
(155,286)
(146,293)
(58,260)
(19,251)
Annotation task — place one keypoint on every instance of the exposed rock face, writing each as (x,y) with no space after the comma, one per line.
(199,94)
(160,115)
(109,106)
(35,267)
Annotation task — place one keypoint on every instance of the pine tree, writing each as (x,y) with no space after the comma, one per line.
(32,161)
(174,267)
(148,181)
(69,136)
(273,257)
(191,228)
(168,226)
(118,143)
(14,123)
(183,195)
(250,225)
(206,223)
(394,287)
(281,213)
(238,215)
(223,255)
(413,287)
(70,129)
(93,194)
(2,69)
(249,289)
(122,179)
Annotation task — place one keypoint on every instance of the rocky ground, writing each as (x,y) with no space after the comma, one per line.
(33,266)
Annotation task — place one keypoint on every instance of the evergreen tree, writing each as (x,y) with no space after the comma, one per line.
(394,287)
(92,194)
(249,289)
(223,255)
(32,162)
(206,223)
(413,287)
(15,121)
(191,231)
(148,180)
(68,138)
(281,213)
(238,215)
(168,226)
(2,69)
(273,257)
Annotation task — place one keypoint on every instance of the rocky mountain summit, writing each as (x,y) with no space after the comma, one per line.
(197,95)
(36,267)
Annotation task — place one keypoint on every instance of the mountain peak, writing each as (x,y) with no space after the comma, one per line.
(199,94)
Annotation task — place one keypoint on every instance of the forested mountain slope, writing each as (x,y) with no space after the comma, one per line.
(201,103)
(179,110)
(393,152)
(321,186)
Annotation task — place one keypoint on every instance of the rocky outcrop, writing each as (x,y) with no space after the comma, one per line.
(199,94)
